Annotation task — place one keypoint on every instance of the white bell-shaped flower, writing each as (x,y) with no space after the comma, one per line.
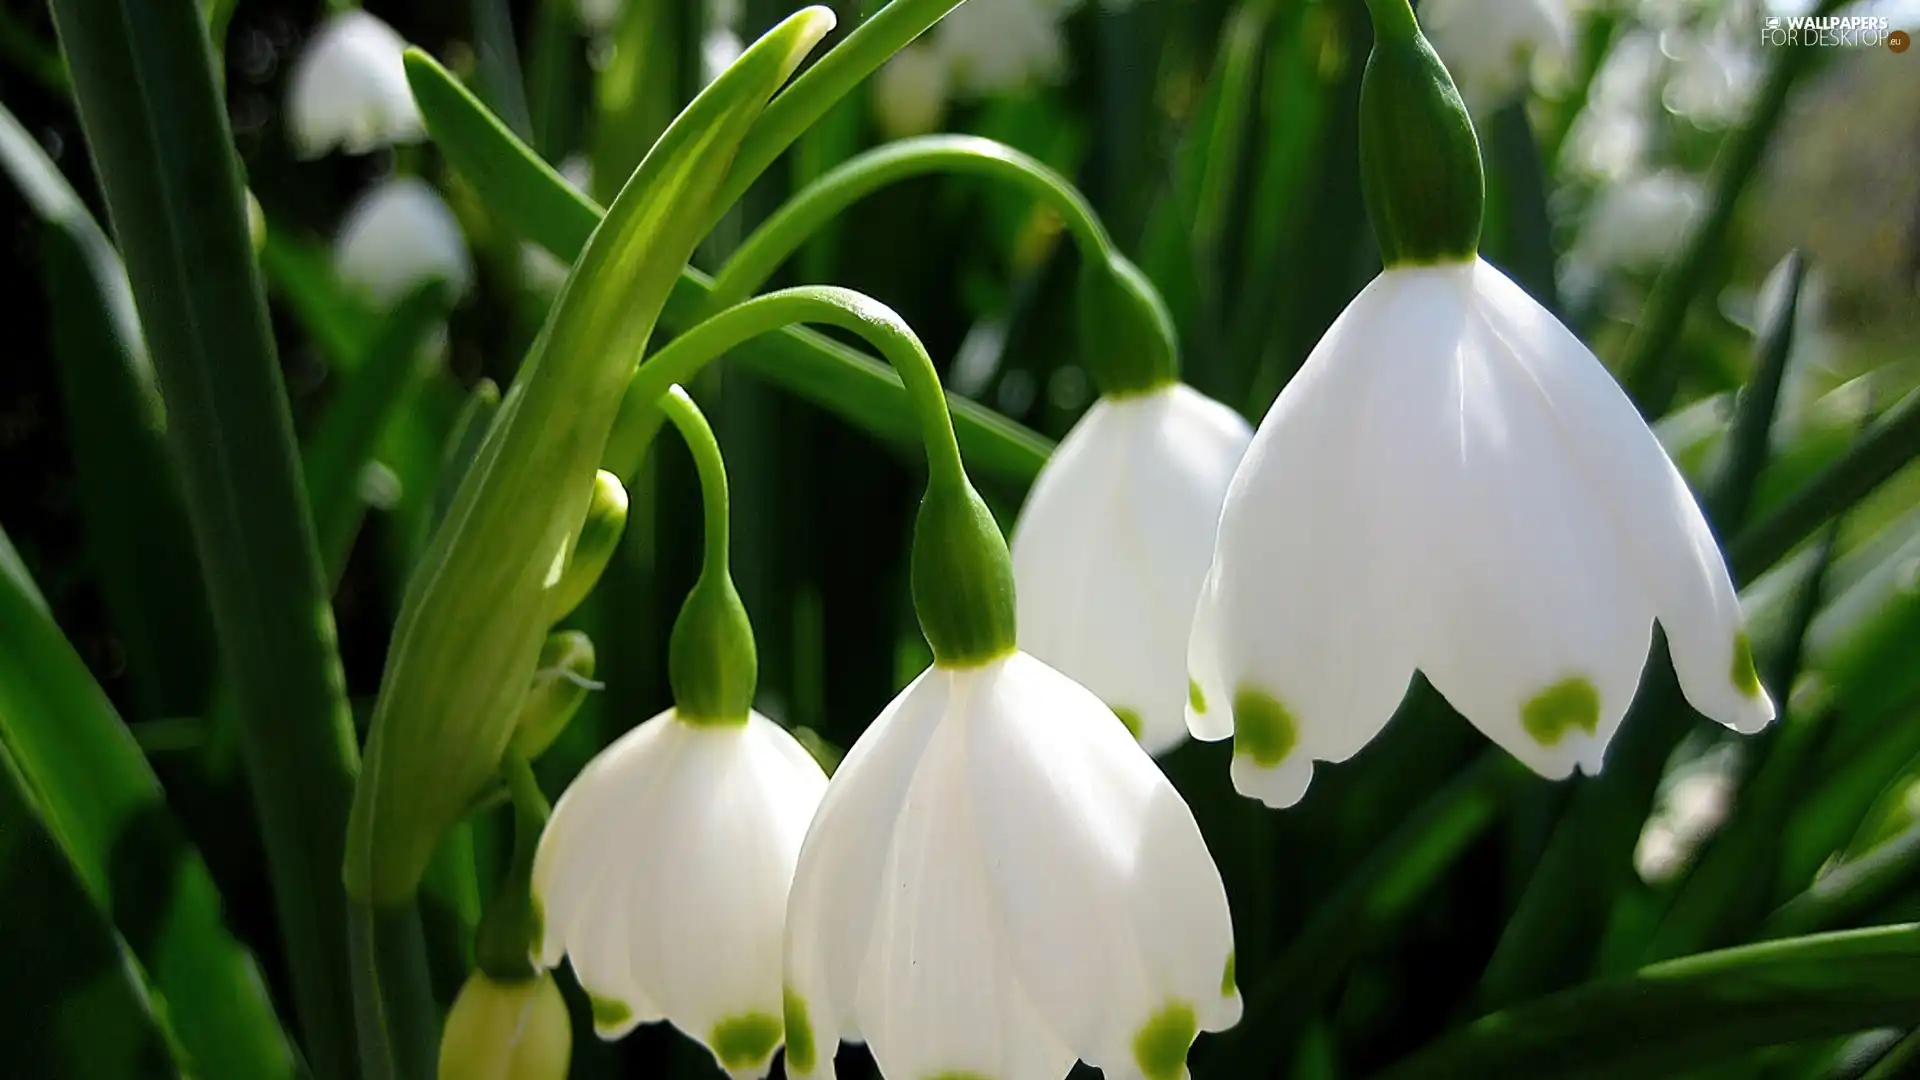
(1113,543)
(1496,48)
(1004,46)
(397,236)
(1000,881)
(1453,483)
(349,91)
(663,874)
(910,92)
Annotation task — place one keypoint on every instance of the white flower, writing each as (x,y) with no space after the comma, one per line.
(1609,137)
(1714,73)
(1634,224)
(664,871)
(1000,881)
(397,236)
(598,16)
(1003,46)
(1113,543)
(1453,483)
(910,92)
(1493,48)
(349,89)
(718,50)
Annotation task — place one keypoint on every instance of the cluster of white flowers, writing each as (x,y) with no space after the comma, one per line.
(984,48)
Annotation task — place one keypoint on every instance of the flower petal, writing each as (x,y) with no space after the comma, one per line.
(837,882)
(1655,517)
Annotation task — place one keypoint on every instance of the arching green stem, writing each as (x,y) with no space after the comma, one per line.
(962,576)
(712,470)
(1392,19)
(856,178)
(712,663)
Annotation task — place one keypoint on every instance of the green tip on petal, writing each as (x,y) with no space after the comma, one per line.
(1263,729)
(800,1048)
(1745,678)
(608,1014)
(1559,709)
(1160,1048)
(1196,700)
(1228,987)
(1129,719)
(745,1040)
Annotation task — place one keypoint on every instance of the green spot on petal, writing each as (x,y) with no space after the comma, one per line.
(1227,985)
(1559,709)
(1263,729)
(745,1040)
(608,1014)
(1745,678)
(1130,719)
(1160,1049)
(1196,700)
(800,1048)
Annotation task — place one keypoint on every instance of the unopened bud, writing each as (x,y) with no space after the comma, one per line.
(560,685)
(507,1030)
(593,548)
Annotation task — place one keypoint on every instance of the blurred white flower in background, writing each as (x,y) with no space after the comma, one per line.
(1495,49)
(397,236)
(598,16)
(348,89)
(718,50)
(1636,223)
(1713,73)
(1695,802)
(1609,138)
(538,266)
(1002,46)
(910,92)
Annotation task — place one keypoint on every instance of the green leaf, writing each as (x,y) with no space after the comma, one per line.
(1849,890)
(158,130)
(1751,435)
(1520,230)
(340,323)
(499,64)
(527,194)
(137,536)
(343,445)
(1684,1013)
(104,808)
(77,1007)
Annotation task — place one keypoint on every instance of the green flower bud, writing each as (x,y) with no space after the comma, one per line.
(507,1030)
(711,660)
(1419,158)
(560,686)
(256,222)
(962,577)
(1126,332)
(593,546)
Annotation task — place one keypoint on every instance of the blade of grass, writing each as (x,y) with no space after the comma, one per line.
(159,135)
(1852,889)
(499,64)
(1683,1013)
(104,808)
(137,536)
(1749,439)
(1517,181)
(537,203)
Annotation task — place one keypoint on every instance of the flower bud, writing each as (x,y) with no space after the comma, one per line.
(593,548)
(560,687)
(507,1030)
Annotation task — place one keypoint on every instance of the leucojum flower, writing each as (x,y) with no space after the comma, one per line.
(1117,534)
(1452,483)
(348,90)
(664,870)
(400,234)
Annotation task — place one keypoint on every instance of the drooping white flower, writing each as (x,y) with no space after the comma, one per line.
(348,89)
(1453,483)
(910,92)
(1637,222)
(663,874)
(1113,543)
(397,236)
(1003,46)
(1000,881)
(1496,48)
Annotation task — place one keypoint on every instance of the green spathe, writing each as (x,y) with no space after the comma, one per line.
(593,548)
(1160,1047)
(561,682)
(746,1040)
(1263,729)
(1566,706)
(962,577)
(1420,164)
(471,626)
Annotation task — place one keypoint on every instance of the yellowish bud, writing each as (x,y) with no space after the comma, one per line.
(593,548)
(507,1030)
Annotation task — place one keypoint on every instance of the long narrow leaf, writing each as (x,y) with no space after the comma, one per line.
(158,130)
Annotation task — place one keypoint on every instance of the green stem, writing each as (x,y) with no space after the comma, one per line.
(712,468)
(1887,447)
(504,943)
(814,304)
(780,235)
(394,1013)
(788,117)
(1647,369)
(1392,19)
